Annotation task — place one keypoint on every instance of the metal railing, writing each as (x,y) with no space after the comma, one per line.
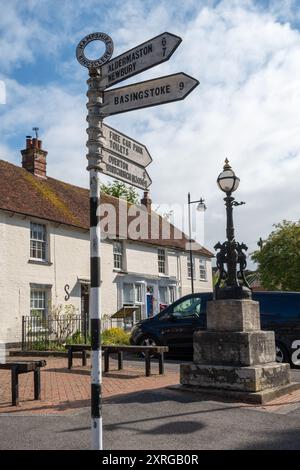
(39,333)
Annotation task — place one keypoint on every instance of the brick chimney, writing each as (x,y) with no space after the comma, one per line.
(146,201)
(34,158)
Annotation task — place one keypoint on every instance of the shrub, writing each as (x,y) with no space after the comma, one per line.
(114,336)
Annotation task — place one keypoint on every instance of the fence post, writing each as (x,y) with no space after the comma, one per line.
(23,332)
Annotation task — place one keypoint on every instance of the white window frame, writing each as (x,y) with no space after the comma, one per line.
(38,244)
(188,267)
(42,297)
(202,269)
(172,293)
(118,255)
(162,261)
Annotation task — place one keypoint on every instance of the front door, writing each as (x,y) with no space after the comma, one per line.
(149,299)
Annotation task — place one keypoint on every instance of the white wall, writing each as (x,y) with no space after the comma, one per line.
(69,260)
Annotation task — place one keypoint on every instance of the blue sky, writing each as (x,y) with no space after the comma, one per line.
(245,54)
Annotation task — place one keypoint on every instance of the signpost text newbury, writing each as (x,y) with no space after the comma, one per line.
(113,153)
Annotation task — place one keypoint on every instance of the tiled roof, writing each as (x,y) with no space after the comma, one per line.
(50,199)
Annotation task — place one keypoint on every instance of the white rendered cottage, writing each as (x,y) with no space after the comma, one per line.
(44,249)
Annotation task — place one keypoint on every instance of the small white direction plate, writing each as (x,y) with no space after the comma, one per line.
(124,170)
(140,58)
(124,146)
(149,93)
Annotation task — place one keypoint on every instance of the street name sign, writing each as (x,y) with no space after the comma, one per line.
(149,93)
(124,170)
(123,146)
(140,58)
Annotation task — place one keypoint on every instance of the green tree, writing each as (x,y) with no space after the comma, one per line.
(279,258)
(120,190)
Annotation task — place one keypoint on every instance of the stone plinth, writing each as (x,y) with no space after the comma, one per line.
(235,356)
(247,379)
(239,348)
(233,315)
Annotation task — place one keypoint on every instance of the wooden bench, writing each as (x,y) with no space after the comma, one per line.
(119,350)
(82,348)
(147,350)
(23,367)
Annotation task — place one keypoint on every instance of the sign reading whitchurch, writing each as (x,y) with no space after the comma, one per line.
(149,93)
(124,170)
(124,146)
(140,58)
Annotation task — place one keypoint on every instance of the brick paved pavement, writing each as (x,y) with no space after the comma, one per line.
(65,391)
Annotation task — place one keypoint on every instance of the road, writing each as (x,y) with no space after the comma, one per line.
(160,419)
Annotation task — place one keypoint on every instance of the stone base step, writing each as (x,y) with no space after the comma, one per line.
(259,398)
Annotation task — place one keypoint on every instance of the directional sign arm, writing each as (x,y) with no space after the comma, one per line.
(140,58)
(123,146)
(149,93)
(124,170)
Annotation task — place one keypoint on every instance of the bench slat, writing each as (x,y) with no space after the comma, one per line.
(115,348)
(23,366)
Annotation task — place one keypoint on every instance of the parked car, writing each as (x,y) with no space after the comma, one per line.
(174,326)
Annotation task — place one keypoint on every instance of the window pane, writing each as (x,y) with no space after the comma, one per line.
(138,293)
(37,241)
(38,302)
(161,261)
(172,294)
(128,293)
(163,295)
(189,267)
(188,308)
(118,255)
(202,267)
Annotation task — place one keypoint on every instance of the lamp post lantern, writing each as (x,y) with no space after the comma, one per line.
(231,283)
(200,207)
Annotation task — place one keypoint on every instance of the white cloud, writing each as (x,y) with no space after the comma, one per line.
(245,108)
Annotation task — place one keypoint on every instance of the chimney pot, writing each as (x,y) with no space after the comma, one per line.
(146,201)
(34,158)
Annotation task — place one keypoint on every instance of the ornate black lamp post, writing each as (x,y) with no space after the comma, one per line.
(232,283)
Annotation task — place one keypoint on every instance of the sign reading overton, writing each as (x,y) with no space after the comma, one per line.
(124,170)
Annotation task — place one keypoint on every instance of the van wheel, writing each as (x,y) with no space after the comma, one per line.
(148,341)
(281,354)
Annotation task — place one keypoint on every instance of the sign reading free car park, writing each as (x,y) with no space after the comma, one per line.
(123,146)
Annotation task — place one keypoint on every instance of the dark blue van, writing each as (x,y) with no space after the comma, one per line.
(174,326)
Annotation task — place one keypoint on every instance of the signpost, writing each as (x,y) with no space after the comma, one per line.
(117,155)
(149,93)
(140,58)
(124,146)
(124,170)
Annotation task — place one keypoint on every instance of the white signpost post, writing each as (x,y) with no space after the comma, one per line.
(117,155)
